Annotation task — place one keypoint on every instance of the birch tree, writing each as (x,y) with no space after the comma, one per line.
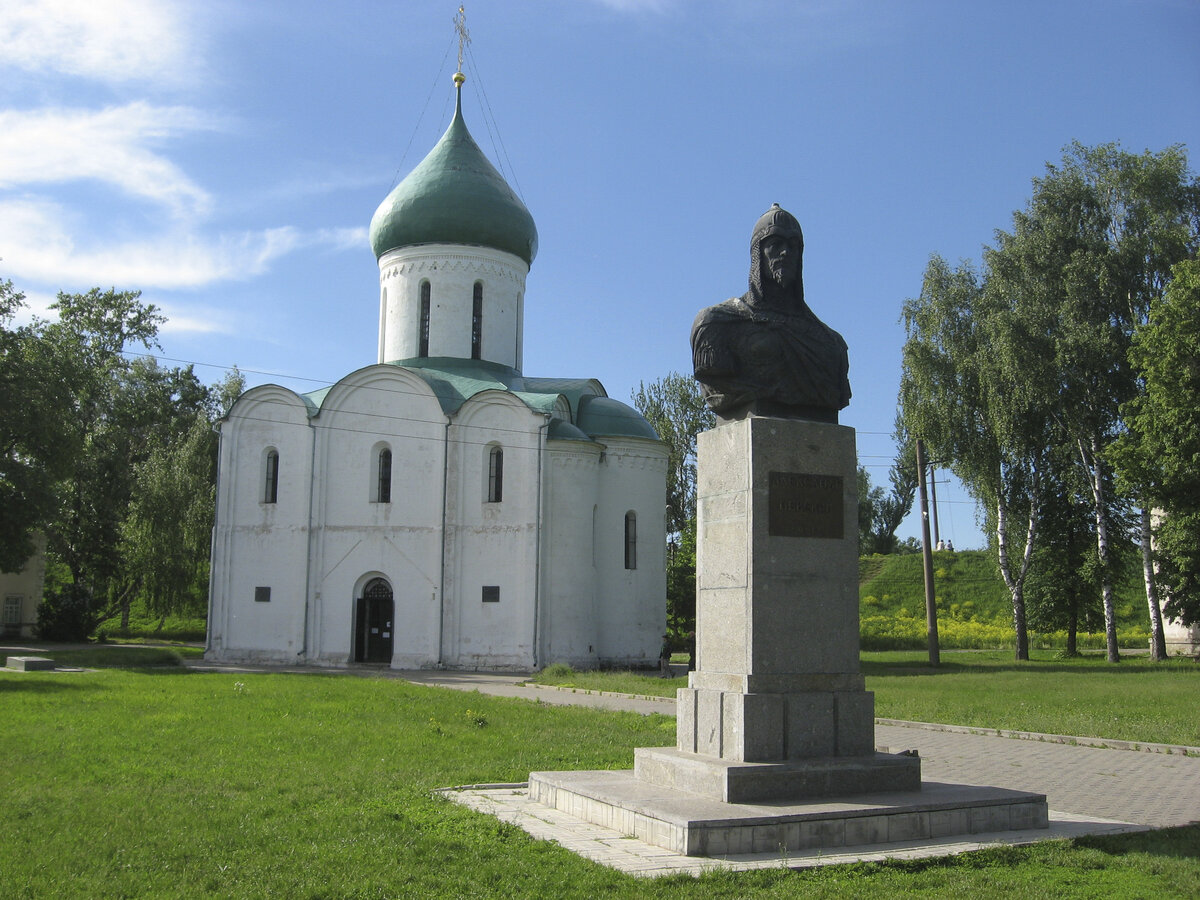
(956,393)
(1080,267)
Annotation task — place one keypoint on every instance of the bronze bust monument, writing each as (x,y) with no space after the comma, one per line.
(765,353)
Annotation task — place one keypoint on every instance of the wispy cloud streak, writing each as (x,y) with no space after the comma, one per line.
(113,41)
(112,145)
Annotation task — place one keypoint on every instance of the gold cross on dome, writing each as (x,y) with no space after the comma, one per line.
(464,36)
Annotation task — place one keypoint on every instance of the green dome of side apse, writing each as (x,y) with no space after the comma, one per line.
(455,196)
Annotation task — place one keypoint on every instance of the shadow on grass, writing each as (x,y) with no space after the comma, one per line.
(1182,842)
(61,683)
(102,657)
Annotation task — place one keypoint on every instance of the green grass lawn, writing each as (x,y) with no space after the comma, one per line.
(1135,700)
(167,783)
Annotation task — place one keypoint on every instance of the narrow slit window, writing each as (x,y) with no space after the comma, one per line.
(271,478)
(631,540)
(495,475)
(383,492)
(477,322)
(423,349)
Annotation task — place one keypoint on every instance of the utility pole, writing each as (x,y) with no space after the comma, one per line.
(937,537)
(927,554)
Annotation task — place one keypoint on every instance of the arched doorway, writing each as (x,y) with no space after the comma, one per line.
(374,614)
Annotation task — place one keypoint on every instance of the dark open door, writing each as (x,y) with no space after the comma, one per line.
(374,617)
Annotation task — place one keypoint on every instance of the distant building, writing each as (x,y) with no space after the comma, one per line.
(21,592)
(1181,641)
(440,508)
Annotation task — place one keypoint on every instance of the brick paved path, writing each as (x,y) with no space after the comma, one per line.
(1157,789)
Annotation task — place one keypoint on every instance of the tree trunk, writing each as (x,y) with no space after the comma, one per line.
(1158,640)
(1015,583)
(1096,470)
(1073,630)
(125,615)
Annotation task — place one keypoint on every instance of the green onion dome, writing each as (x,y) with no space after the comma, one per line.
(455,196)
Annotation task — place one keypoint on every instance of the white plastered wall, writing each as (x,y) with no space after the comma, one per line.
(631,603)
(256,543)
(492,544)
(357,538)
(452,271)
(568,601)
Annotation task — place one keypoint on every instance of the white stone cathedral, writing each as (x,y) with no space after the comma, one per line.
(439,508)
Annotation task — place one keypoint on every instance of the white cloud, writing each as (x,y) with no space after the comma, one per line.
(337,239)
(37,243)
(193,320)
(107,40)
(108,145)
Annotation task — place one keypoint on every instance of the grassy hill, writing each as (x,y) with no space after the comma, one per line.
(974,608)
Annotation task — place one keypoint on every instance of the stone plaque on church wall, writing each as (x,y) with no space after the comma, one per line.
(805,506)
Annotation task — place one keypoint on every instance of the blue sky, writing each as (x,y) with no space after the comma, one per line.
(225,158)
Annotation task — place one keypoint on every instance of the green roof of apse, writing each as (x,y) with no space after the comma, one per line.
(606,417)
(454,196)
(454,381)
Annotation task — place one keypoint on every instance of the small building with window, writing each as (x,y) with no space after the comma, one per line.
(439,508)
(21,592)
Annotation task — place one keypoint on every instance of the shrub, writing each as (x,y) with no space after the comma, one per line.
(67,615)
(558,670)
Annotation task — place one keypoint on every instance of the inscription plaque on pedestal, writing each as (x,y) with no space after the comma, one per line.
(805,506)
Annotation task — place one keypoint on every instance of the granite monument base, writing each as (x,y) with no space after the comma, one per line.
(730,781)
(775,732)
(685,823)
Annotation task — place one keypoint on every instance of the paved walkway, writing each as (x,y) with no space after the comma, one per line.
(1155,789)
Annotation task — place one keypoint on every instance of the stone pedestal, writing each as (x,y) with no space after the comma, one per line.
(775,732)
(777,677)
(30,664)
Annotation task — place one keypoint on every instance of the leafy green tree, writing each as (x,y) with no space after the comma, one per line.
(869,497)
(681,584)
(165,538)
(1160,452)
(130,419)
(1079,269)
(676,409)
(94,330)
(109,453)
(37,440)
(674,406)
(881,512)
(959,392)
(1063,588)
